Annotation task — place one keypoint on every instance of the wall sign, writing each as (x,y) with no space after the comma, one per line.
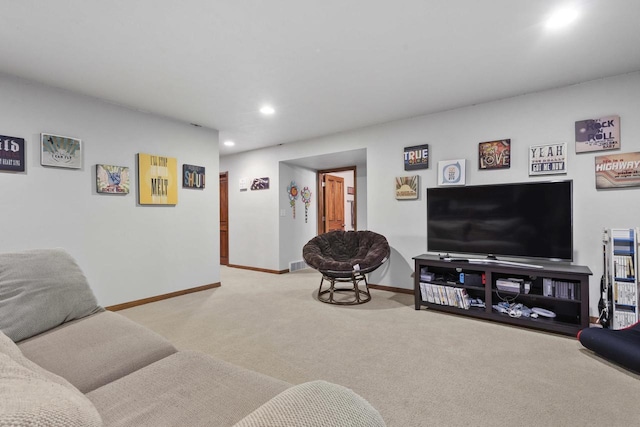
(549,159)
(416,157)
(192,176)
(157,180)
(618,170)
(260,184)
(407,187)
(60,151)
(494,154)
(112,179)
(598,134)
(451,172)
(11,153)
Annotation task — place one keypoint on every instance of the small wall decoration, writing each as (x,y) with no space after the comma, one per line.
(494,154)
(416,157)
(112,179)
(292,190)
(306,199)
(617,171)
(260,184)
(60,151)
(451,172)
(351,191)
(11,153)
(157,180)
(244,184)
(549,159)
(598,134)
(407,187)
(192,176)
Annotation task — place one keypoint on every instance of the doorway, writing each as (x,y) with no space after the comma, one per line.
(337,207)
(224,219)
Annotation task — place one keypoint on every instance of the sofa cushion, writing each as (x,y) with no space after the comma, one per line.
(315,404)
(96,350)
(29,399)
(10,349)
(41,289)
(187,389)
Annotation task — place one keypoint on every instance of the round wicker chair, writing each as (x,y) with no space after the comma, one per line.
(345,257)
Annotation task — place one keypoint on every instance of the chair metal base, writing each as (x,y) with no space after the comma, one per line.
(359,296)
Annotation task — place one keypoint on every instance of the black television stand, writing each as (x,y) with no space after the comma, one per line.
(495,260)
(559,288)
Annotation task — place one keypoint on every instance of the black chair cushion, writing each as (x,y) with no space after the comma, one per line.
(620,346)
(337,252)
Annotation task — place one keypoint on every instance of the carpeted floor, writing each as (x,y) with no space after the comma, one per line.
(418,368)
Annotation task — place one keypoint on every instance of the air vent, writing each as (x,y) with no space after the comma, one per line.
(297,265)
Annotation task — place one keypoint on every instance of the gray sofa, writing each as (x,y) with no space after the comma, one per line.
(65,361)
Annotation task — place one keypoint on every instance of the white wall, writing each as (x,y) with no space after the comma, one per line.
(296,232)
(361,197)
(128,252)
(538,118)
(253,215)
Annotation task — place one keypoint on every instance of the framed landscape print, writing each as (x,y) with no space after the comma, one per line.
(11,154)
(548,159)
(157,180)
(494,154)
(598,134)
(407,187)
(112,179)
(193,176)
(60,151)
(451,172)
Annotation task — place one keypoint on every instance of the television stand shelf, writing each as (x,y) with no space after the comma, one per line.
(557,289)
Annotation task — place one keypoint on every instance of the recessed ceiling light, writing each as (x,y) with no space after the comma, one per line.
(229,143)
(267,110)
(562,17)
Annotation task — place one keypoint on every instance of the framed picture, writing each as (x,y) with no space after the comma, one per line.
(60,151)
(451,172)
(598,134)
(618,171)
(351,191)
(416,157)
(494,154)
(192,176)
(157,180)
(549,159)
(11,154)
(112,179)
(407,187)
(260,184)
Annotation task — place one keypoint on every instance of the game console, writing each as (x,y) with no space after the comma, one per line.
(427,276)
(513,285)
(471,279)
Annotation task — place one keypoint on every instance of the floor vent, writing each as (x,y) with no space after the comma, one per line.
(297,265)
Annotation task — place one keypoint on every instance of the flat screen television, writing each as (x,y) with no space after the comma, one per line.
(524,220)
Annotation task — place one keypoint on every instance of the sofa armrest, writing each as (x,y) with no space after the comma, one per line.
(314,404)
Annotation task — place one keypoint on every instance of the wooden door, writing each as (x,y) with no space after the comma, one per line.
(224,219)
(333,203)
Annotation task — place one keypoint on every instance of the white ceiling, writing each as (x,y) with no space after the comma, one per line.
(326,66)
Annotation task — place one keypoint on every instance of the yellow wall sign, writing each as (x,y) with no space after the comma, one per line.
(157,180)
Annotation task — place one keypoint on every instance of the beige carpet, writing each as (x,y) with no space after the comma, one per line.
(418,368)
